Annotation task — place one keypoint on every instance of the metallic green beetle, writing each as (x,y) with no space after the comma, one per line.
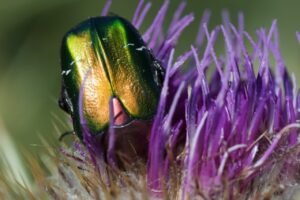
(110,55)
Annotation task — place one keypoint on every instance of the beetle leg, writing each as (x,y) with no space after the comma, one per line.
(159,70)
(64,101)
(159,73)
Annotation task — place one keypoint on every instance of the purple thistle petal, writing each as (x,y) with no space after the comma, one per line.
(137,12)
(176,132)
(171,38)
(230,59)
(212,37)
(167,123)
(226,19)
(156,25)
(248,64)
(298,104)
(194,154)
(179,27)
(201,32)
(180,61)
(142,15)
(200,68)
(106,8)
(112,137)
(298,36)
(241,24)
(176,16)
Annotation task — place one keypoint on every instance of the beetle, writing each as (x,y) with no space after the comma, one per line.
(109,58)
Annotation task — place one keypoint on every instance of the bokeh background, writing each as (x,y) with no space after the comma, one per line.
(30,37)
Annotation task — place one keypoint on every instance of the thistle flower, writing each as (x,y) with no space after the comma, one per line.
(226,126)
(238,125)
(225,130)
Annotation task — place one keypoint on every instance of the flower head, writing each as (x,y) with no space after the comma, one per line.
(237,124)
(221,123)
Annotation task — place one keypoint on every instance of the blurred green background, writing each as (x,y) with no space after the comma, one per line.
(30,36)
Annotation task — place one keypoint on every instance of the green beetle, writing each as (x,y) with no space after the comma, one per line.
(111,56)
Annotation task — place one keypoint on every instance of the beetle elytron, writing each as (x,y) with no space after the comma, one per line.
(110,59)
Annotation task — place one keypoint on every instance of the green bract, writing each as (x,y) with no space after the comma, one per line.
(110,55)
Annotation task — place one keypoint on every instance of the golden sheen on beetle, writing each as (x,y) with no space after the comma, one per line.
(108,57)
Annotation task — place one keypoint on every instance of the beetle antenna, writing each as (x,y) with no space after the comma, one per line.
(61,137)
(112,14)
